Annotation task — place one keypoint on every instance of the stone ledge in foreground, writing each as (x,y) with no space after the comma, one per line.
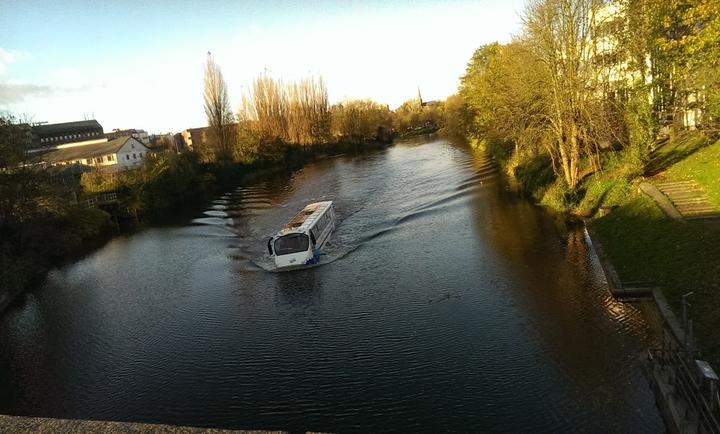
(22,425)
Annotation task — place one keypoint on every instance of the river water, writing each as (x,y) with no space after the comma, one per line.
(443,303)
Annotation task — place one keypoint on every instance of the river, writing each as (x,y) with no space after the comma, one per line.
(444,303)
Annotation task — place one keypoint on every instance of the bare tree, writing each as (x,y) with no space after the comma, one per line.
(308,112)
(296,113)
(559,33)
(217,109)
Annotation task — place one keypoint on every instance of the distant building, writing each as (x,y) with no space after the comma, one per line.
(618,75)
(426,103)
(51,135)
(430,104)
(179,142)
(118,154)
(165,142)
(140,135)
(194,137)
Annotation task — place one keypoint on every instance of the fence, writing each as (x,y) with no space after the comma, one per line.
(100,199)
(692,384)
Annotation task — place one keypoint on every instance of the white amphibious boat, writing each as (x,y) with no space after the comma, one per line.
(300,241)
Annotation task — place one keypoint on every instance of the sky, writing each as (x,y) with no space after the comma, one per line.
(139,64)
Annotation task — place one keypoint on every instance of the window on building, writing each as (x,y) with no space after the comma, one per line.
(127,157)
(99,159)
(111,157)
(88,161)
(134,157)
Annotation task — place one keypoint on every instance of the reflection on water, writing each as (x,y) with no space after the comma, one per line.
(443,302)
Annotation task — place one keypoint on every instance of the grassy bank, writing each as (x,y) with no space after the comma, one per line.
(644,245)
(701,165)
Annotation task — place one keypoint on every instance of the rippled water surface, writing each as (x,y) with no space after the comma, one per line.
(443,302)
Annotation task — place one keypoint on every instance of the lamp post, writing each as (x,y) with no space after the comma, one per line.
(687,324)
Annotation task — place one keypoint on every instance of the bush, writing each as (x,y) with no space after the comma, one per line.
(534,174)
(602,192)
(559,197)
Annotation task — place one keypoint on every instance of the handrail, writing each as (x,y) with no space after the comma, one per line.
(100,199)
(684,374)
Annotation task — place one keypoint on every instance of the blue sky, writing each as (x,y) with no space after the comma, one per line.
(139,64)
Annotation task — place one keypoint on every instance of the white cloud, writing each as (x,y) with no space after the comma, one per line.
(10,56)
(360,55)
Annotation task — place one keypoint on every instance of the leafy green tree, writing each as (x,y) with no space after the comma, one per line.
(559,35)
(358,121)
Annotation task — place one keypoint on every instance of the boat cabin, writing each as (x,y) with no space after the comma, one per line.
(301,240)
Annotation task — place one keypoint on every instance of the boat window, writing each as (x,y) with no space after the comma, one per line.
(291,243)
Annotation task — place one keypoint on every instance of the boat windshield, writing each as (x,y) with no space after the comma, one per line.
(291,243)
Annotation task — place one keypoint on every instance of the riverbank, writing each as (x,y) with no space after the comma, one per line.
(165,189)
(646,246)
(45,243)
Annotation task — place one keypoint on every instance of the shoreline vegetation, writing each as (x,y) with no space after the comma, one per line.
(590,101)
(44,216)
(167,187)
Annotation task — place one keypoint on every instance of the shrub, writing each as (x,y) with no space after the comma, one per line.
(534,174)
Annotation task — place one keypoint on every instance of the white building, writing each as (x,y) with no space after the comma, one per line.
(609,22)
(119,154)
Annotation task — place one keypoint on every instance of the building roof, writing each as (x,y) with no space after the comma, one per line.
(49,129)
(84,151)
(306,218)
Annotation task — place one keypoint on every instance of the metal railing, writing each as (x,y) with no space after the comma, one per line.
(100,199)
(693,381)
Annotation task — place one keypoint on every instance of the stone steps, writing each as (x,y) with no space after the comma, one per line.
(696,210)
(688,199)
(680,197)
(665,186)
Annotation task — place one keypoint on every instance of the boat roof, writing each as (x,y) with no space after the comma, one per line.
(306,218)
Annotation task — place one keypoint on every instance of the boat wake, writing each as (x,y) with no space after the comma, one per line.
(250,215)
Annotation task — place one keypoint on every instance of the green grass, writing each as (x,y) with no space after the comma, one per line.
(645,245)
(675,150)
(703,167)
(603,189)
